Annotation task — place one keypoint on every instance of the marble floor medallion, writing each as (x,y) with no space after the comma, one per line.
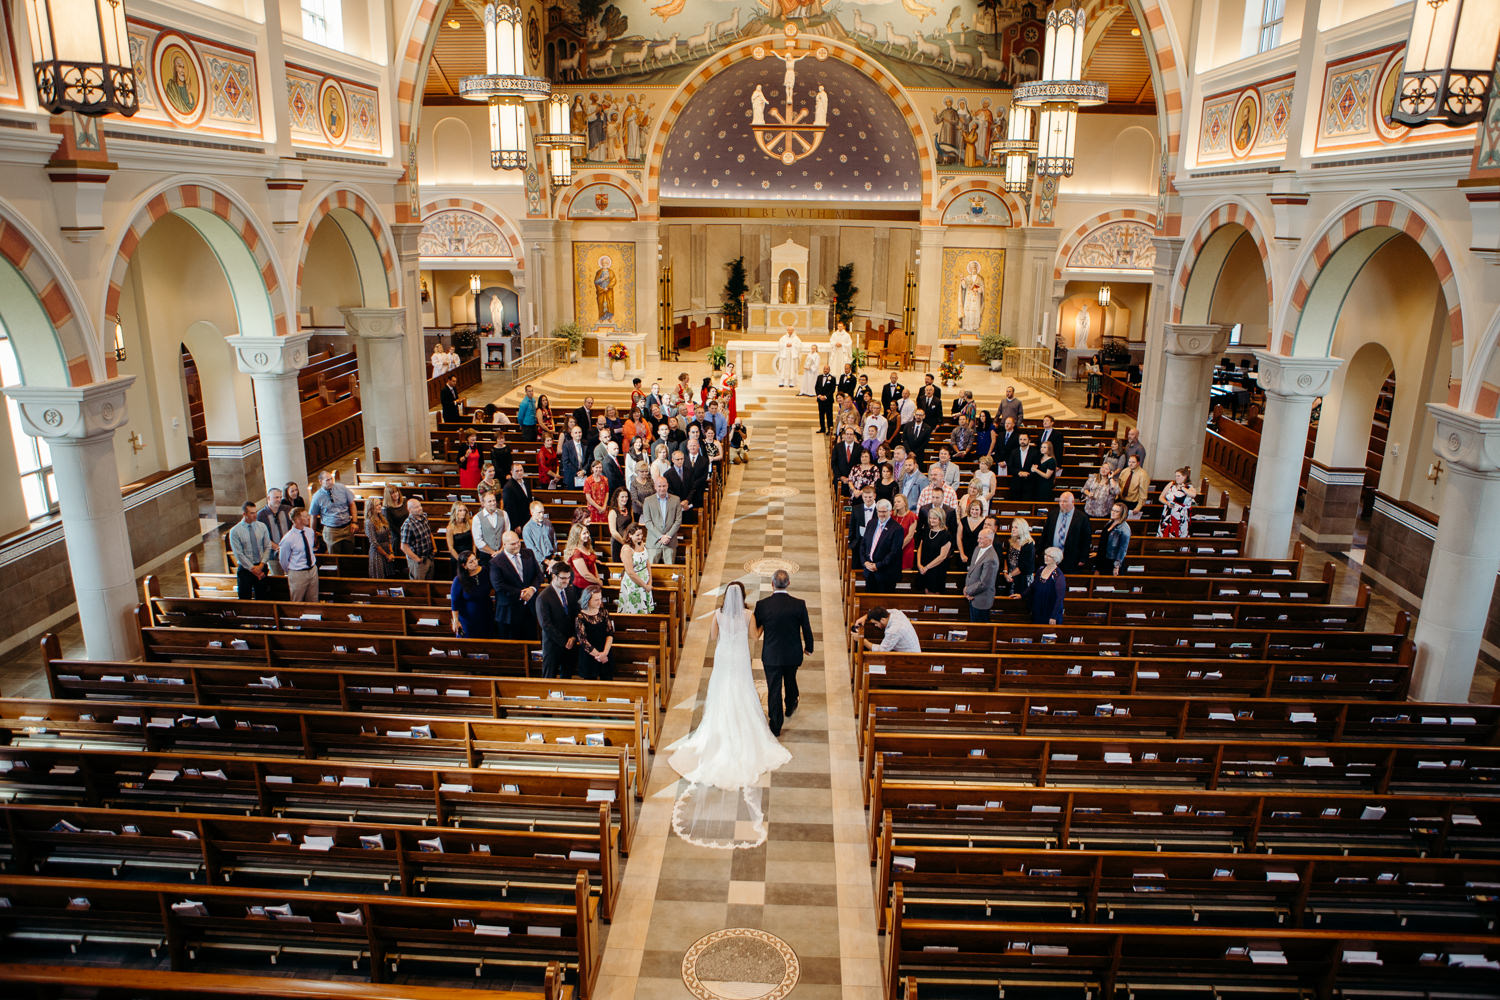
(778,492)
(766,566)
(740,963)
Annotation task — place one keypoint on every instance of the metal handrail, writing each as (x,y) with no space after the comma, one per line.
(539,355)
(1032,366)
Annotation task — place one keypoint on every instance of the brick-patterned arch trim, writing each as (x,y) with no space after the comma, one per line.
(512,236)
(1486,400)
(1070,243)
(565,203)
(219,203)
(1014,206)
(49,283)
(1229,213)
(353,202)
(1378,212)
(426,21)
(836,50)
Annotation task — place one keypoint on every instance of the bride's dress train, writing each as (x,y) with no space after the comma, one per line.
(725,757)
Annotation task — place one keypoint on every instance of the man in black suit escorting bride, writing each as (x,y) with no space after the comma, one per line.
(781,621)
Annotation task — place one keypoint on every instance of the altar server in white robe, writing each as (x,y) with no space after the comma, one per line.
(788,354)
(811,366)
(840,348)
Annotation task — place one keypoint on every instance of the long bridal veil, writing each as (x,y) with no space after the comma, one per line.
(725,757)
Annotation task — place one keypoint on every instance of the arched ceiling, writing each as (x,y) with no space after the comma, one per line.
(867,152)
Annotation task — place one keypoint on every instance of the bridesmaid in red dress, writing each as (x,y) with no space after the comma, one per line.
(727,394)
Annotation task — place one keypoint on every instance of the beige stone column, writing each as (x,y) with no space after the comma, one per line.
(1188,358)
(78,424)
(1465,556)
(380,344)
(272,364)
(1291,385)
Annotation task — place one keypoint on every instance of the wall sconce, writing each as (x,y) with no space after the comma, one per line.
(1435,471)
(119,344)
(137,443)
(1104,296)
(474,284)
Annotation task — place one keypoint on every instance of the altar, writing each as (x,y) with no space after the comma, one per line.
(788,301)
(635,343)
(737,349)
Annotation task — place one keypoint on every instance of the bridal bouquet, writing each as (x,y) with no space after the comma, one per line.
(730,381)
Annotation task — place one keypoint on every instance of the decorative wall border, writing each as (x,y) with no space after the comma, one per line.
(966,185)
(581,181)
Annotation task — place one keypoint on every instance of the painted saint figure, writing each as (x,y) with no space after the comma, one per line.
(604,290)
(970,299)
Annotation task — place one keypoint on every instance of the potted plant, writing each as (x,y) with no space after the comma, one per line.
(992,349)
(573,334)
(951,372)
(735,287)
(466,340)
(618,354)
(858,358)
(844,290)
(717,356)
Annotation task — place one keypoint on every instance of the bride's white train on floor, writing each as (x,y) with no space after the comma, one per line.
(724,759)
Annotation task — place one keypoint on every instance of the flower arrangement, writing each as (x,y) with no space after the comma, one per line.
(618,352)
(730,381)
(952,371)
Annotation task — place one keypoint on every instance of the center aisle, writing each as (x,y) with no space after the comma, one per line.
(809,887)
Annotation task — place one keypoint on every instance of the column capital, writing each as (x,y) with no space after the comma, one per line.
(1466,440)
(1192,340)
(270,355)
(72,413)
(408,236)
(1291,378)
(375,324)
(1168,250)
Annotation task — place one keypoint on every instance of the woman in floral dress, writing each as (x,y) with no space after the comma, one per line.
(635,581)
(1178,496)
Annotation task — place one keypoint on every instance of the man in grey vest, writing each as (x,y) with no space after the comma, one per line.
(490,526)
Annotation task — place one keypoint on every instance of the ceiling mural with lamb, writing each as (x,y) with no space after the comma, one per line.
(923,44)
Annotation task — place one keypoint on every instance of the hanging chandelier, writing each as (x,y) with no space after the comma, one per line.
(1017,147)
(81,56)
(558,141)
(505,86)
(1450,62)
(1061,91)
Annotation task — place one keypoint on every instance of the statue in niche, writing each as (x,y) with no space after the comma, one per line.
(757,294)
(1081,330)
(788,287)
(820,296)
(970,299)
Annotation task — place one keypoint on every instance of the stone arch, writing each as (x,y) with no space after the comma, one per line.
(1073,239)
(842,51)
(968,185)
(1329,266)
(47,326)
(1193,286)
(1484,393)
(581,181)
(426,19)
(244,252)
(500,222)
(369,242)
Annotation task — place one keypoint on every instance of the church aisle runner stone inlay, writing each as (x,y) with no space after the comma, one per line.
(809,885)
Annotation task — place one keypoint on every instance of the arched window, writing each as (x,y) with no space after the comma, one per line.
(33,458)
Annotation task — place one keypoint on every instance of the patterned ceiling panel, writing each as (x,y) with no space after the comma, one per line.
(867,152)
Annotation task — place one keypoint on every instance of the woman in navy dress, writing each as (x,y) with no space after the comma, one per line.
(1047,590)
(473,607)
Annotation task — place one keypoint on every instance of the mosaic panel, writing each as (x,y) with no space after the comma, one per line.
(1346,101)
(457,233)
(302,104)
(364,129)
(1122,245)
(1213,137)
(183,81)
(233,88)
(330,111)
(1276,113)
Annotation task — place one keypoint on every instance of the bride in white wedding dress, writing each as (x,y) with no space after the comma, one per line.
(732,746)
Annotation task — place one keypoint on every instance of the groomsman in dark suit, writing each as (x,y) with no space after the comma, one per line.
(916,435)
(824,389)
(861,516)
(891,393)
(1021,465)
(847,381)
(1050,433)
(1007,439)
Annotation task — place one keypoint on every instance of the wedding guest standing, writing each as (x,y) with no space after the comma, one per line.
(537,533)
(298,560)
(382,544)
(934,546)
(1020,560)
(595,634)
(636,596)
(621,520)
(251,544)
(906,518)
(555,618)
(979,581)
(1048,589)
(469,597)
(1114,541)
(1178,498)
(516,576)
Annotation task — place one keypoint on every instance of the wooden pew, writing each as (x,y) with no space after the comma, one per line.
(431,741)
(45,916)
(521,865)
(554,791)
(54,982)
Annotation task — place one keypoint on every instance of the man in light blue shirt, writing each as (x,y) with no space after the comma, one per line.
(911,483)
(251,544)
(717,419)
(526,415)
(332,511)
